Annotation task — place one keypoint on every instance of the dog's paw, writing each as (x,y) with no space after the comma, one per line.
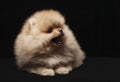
(46,72)
(62,70)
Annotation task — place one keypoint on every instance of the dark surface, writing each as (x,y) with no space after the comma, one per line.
(93,70)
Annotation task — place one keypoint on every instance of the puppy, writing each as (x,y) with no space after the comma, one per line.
(46,45)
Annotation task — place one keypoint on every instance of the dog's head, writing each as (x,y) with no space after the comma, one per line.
(46,22)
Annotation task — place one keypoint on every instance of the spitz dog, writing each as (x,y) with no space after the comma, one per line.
(46,45)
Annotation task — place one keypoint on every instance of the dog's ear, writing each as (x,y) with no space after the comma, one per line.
(32,21)
(29,25)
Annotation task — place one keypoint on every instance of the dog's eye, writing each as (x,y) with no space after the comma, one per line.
(50,30)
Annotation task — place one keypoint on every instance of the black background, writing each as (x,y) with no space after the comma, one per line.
(94,22)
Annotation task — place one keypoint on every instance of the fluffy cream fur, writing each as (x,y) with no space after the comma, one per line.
(37,53)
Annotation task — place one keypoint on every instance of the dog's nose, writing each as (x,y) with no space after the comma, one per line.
(62,33)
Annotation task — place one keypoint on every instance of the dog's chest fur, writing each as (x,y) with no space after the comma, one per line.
(53,56)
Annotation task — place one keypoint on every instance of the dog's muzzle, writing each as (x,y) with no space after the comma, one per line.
(59,39)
